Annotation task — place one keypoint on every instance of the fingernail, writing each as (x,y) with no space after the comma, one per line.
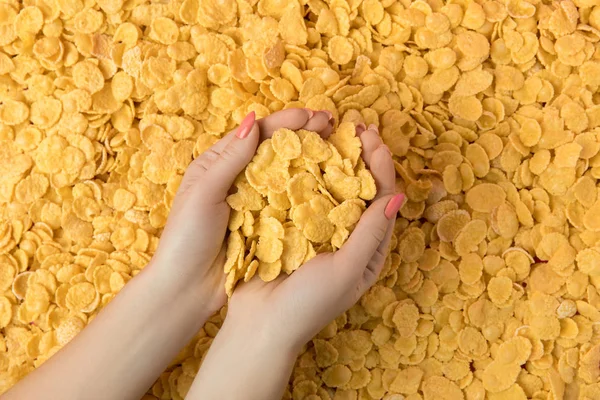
(329,114)
(310,112)
(246,125)
(373,127)
(360,128)
(386,149)
(394,205)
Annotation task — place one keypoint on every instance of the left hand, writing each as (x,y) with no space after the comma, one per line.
(191,251)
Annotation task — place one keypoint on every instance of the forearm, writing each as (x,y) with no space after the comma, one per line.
(243,365)
(124,349)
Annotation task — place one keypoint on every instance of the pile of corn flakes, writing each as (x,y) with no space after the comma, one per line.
(305,190)
(490,108)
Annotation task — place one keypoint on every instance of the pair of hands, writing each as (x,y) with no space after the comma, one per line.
(292,309)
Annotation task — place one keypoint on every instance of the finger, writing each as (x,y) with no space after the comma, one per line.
(370,142)
(375,264)
(318,122)
(360,128)
(223,142)
(220,165)
(325,133)
(292,118)
(368,235)
(382,169)
(254,284)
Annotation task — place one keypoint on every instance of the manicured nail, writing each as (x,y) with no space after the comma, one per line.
(373,127)
(394,205)
(310,112)
(246,125)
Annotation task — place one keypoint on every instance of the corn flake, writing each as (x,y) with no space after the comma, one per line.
(485,197)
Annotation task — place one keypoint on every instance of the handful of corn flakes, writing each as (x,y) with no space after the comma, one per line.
(299,196)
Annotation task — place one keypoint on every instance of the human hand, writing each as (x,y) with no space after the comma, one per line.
(191,252)
(292,309)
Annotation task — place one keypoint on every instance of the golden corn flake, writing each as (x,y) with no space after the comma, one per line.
(485,197)
(13,112)
(286,144)
(407,381)
(268,271)
(312,219)
(405,319)
(439,387)
(337,375)
(268,249)
(340,50)
(451,223)
(347,213)
(314,149)
(6,311)
(37,299)
(295,248)
(87,75)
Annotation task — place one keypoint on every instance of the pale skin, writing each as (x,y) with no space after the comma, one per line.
(122,352)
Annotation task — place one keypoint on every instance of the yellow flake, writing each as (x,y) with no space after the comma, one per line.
(13,112)
(340,50)
(268,271)
(87,75)
(485,197)
(286,144)
(347,213)
(314,148)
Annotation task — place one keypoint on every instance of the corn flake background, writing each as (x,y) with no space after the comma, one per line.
(490,109)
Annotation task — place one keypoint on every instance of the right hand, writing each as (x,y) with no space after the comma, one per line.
(291,310)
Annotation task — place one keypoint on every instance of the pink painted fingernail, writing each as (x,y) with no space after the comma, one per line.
(394,205)
(310,112)
(246,125)
(373,127)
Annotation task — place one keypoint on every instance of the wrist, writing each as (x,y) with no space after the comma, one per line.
(256,338)
(235,365)
(185,294)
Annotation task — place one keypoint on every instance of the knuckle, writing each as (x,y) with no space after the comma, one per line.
(388,190)
(372,271)
(378,233)
(378,258)
(229,152)
(358,291)
(207,158)
(369,277)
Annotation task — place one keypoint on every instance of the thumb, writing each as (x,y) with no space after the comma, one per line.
(371,232)
(223,162)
